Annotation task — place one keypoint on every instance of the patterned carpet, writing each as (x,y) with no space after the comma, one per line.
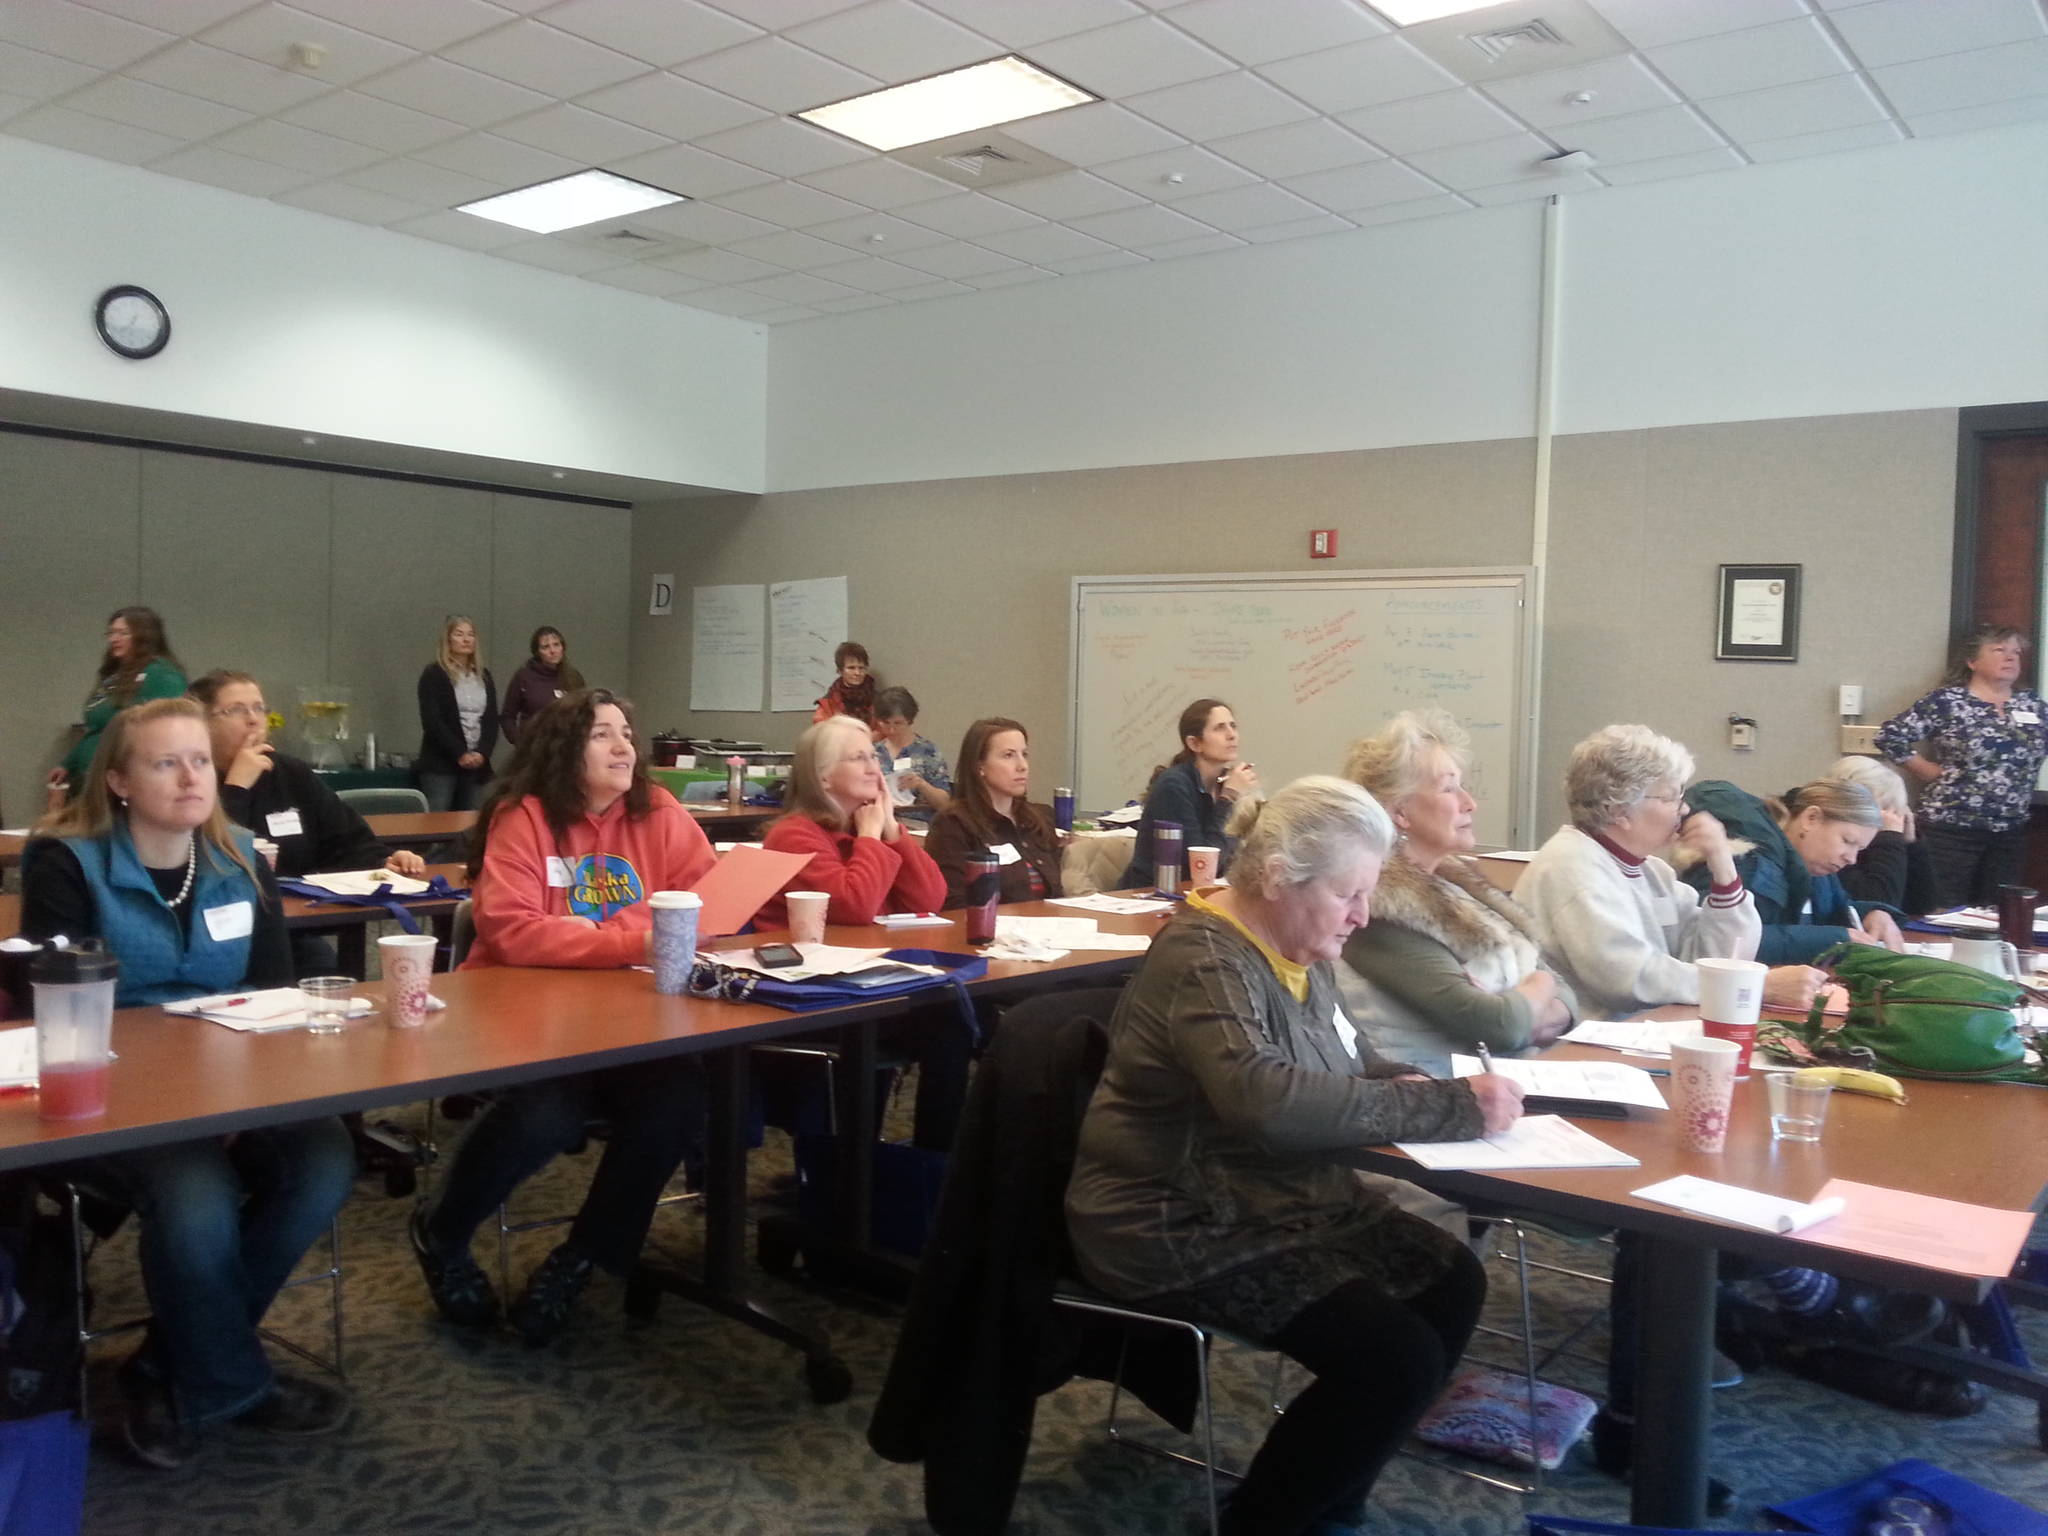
(693,1424)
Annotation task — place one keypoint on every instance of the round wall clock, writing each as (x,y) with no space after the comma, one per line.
(132,321)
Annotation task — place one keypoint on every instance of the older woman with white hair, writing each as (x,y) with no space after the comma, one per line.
(1620,926)
(1208,1180)
(1450,962)
(1894,869)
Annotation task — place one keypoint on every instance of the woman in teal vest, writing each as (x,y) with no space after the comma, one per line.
(139,666)
(143,859)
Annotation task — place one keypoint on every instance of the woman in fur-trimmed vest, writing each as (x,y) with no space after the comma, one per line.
(1449,961)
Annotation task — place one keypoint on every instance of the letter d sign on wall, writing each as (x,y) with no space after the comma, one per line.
(662,600)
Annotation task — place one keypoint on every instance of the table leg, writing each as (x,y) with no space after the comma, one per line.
(1675,1367)
(854,1113)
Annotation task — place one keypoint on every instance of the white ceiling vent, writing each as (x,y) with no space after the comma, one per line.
(983,158)
(1535,34)
(635,241)
(1517,38)
(978,162)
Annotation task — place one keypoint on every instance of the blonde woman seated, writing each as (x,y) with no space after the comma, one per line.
(1622,929)
(1449,961)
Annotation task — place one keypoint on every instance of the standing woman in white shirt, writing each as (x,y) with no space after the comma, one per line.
(458,721)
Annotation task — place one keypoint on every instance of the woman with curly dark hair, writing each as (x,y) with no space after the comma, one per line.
(138,666)
(563,857)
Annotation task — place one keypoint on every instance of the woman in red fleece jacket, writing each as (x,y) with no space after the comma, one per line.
(563,857)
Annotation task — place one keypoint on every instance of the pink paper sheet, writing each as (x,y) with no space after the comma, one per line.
(1923,1230)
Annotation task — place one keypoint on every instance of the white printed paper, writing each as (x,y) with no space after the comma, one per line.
(1639,1037)
(1122,906)
(1756,613)
(18,1057)
(1006,853)
(1534,1141)
(1608,1082)
(728,647)
(807,623)
(366,882)
(1744,1207)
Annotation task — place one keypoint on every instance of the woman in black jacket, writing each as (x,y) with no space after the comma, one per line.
(1894,869)
(458,721)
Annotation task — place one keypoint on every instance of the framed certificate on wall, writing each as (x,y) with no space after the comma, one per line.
(1759,613)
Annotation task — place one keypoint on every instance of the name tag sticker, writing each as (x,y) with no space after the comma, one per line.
(2025,717)
(558,873)
(235,920)
(1346,1033)
(1664,910)
(283,824)
(1006,853)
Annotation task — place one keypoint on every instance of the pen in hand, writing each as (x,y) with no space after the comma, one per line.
(1485,1057)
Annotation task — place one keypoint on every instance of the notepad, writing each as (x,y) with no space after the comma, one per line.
(275,1008)
(913,920)
(1596,1082)
(1534,1141)
(1744,1207)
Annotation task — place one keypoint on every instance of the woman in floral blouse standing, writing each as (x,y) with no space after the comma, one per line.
(1977,744)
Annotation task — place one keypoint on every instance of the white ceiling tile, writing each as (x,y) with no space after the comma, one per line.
(937,290)
(958,260)
(791,205)
(1647,23)
(339,200)
(880,183)
(422,24)
(1220,105)
(893,40)
(720,266)
(558,255)
(1360,75)
(1639,171)
(792,313)
(1277,29)
(150,106)
(861,301)
(1297,229)
(1069,195)
(1529,191)
(1296,149)
(969,215)
(1436,121)
(1657,135)
(588,137)
(1483,165)
(78,33)
(88,135)
(236,173)
(461,229)
(1401,213)
(1827,142)
(1247,208)
(785,148)
(541,58)
(1144,54)
(736,302)
(1970,119)
(691,171)
(672,106)
(663,34)
(300,148)
(859,233)
(1896,31)
(1134,228)
(1809,107)
(704,223)
(1779,54)
(778,75)
(448,90)
(1026,23)
(1010,278)
(1080,264)
(1044,243)
(872,274)
(226,77)
(1618,87)
(267,34)
(775,15)
(1091,134)
(788,248)
(37,76)
(636,277)
(1202,245)
(499,160)
(12,106)
(371,120)
(420,183)
(191,14)
(1363,186)
(801,288)
(1966,79)
(1199,171)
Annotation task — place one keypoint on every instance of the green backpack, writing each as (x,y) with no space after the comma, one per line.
(1914,1016)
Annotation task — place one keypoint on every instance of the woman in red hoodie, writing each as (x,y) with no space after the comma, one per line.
(564,854)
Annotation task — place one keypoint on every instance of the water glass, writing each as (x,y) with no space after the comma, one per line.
(1798,1109)
(327,1003)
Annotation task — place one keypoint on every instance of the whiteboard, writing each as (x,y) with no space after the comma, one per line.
(1308,664)
(728,647)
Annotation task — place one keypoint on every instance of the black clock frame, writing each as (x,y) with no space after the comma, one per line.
(123,291)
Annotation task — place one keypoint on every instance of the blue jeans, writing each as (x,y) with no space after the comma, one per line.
(462,790)
(223,1224)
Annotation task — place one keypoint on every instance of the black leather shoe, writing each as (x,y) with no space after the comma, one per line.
(1891,1383)
(1614,1452)
(298,1405)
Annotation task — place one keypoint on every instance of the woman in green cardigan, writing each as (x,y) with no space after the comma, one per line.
(139,665)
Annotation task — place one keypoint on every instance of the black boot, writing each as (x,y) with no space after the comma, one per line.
(1614,1452)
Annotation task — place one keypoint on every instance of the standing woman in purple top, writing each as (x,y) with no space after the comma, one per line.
(546,676)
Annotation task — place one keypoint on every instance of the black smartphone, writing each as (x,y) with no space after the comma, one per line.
(777,956)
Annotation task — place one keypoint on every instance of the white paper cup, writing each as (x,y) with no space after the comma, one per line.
(1731,996)
(807,916)
(1703,1090)
(408,963)
(675,938)
(1202,865)
(268,849)
(1994,957)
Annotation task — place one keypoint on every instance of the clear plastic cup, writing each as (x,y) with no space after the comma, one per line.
(327,1003)
(1799,1110)
(74,1000)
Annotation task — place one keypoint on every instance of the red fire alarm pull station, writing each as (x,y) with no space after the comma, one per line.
(1322,544)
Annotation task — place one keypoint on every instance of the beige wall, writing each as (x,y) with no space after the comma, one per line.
(960,588)
(297,575)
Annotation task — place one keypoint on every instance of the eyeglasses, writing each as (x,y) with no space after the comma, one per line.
(243,712)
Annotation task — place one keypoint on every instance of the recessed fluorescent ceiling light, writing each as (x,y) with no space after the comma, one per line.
(584,198)
(959,101)
(1406,13)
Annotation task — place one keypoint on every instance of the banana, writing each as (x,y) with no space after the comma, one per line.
(1854,1080)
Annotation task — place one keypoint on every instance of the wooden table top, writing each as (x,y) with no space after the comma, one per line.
(299,911)
(406,827)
